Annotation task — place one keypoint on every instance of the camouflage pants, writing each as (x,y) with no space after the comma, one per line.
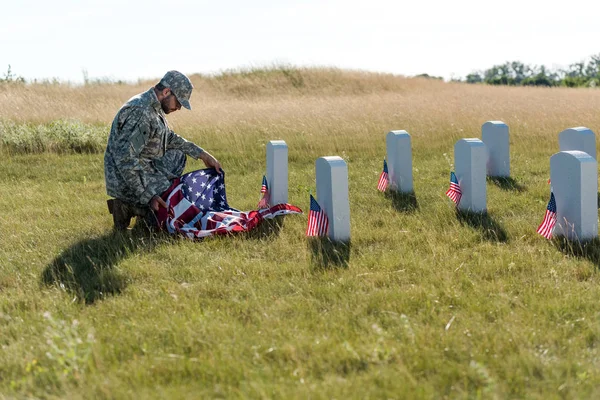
(172,163)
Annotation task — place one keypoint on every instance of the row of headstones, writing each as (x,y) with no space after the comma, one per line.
(573,173)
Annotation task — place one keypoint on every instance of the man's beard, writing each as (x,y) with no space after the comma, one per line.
(164,104)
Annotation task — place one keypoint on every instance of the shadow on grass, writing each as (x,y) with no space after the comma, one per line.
(589,250)
(267,229)
(403,202)
(598,199)
(327,253)
(490,229)
(87,268)
(506,183)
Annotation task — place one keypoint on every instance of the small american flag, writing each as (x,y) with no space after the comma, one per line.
(264,201)
(384,178)
(547,227)
(318,224)
(454,192)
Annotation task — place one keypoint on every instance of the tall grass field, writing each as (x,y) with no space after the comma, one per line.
(422,303)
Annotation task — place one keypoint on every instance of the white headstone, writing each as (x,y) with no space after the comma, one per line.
(277,171)
(332,195)
(470,156)
(580,138)
(399,160)
(495,136)
(574,178)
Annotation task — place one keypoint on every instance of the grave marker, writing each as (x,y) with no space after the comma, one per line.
(574,177)
(470,157)
(332,195)
(277,171)
(580,138)
(496,138)
(399,159)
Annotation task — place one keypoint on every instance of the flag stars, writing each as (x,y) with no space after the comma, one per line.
(204,197)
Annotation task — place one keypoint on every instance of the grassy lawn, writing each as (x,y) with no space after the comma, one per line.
(423,303)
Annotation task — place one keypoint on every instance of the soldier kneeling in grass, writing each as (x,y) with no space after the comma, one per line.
(143,154)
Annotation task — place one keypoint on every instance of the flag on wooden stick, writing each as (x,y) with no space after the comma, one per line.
(318,224)
(384,178)
(454,191)
(264,189)
(546,228)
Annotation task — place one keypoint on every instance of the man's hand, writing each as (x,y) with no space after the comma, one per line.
(210,161)
(156,202)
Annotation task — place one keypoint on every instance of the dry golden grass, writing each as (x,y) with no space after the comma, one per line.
(326,97)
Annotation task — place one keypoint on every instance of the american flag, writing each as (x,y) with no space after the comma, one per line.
(384,178)
(264,189)
(547,226)
(197,207)
(454,192)
(318,224)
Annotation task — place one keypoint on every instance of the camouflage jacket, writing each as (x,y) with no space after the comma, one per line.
(140,135)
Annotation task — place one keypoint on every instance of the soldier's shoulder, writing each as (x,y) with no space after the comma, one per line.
(143,100)
(138,104)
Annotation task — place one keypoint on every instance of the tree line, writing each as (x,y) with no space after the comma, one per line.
(581,74)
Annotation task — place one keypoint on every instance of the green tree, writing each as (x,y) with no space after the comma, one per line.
(474,77)
(542,77)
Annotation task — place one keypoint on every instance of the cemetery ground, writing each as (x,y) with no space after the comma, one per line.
(422,303)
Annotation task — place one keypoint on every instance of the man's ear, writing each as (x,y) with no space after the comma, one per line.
(165,92)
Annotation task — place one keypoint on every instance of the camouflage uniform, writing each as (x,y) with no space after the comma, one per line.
(143,154)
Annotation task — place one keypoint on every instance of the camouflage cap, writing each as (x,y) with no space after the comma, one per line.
(180,85)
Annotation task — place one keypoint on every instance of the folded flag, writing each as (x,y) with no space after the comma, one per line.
(197,207)
(547,226)
(454,191)
(318,224)
(384,178)
(264,189)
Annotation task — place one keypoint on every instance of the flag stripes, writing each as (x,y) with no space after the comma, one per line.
(384,179)
(197,207)
(454,192)
(318,224)
(546,228)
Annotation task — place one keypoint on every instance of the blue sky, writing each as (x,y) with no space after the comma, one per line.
(143,39)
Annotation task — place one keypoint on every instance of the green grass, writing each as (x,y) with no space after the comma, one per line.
(60,136)
(422,303)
